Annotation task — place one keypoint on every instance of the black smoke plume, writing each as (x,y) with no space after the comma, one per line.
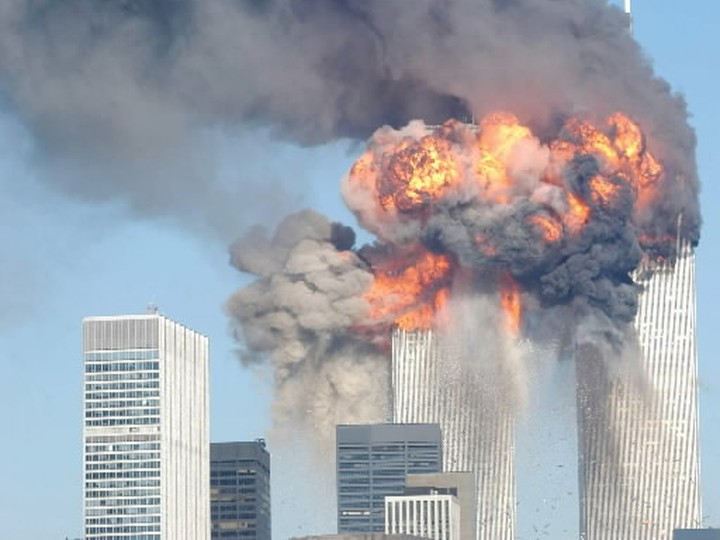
(119,94)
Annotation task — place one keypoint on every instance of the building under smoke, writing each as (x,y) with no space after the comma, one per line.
(638,437)
(432,383)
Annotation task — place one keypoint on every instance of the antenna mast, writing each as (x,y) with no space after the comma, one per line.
(628,12)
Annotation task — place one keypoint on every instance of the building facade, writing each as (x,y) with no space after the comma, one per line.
(146,428)
(431,383)
(427,513)
(459,484)
(638,430)
(696,534)
(240,490)
(372,463)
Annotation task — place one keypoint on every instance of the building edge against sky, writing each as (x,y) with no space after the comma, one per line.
(146,429)
(638,434)
(240,490)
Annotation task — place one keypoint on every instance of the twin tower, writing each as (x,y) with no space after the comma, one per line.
(637,431)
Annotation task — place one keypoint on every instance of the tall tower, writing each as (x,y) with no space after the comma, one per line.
(638,432)
(240,490)
(146,452)
(430,383)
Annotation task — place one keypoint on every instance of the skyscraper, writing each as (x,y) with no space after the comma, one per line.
(146,453)
(638,432)
(372,462)
(430,383)
(240,490)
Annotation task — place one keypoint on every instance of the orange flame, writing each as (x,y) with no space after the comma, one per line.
(510,303)
(418,174)
(577,215)
(602,191)
(403,174)
(549,228)
(411,295)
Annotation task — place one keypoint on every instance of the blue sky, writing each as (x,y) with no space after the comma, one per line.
(64,259)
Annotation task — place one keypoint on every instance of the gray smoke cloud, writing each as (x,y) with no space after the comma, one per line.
(299,313)
(120,94)
(123,99)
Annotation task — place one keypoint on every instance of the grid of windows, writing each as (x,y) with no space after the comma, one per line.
(122,473)
(240,490)
(372,463)
(143,373)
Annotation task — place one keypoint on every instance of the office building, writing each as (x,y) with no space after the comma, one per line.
(696,534)
(638,430)
(372,463)
(432,513)
(459,484)
(146,452)
(358,536)
(240,490)
(432,383)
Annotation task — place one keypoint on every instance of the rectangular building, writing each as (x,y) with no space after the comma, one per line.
(424,512)
(696,534)
(146,429)
(638,431)
(372,463)
(240,490)
(433,382)
(460,484)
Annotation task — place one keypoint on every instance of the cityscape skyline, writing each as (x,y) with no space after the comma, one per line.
(70,289)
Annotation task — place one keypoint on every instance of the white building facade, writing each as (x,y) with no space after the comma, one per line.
(146,429)
(638,433)
(430,385)
(432,516)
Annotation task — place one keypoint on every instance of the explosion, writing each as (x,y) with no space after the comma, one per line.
(577,165)
(494,200)
(526,221)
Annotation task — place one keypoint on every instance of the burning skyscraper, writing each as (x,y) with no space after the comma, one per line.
(638,436)
(432,383)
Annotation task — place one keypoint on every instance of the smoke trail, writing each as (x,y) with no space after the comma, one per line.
(118,93)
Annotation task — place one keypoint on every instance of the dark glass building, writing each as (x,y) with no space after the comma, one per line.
(696,534)
(372,462)
(240,490)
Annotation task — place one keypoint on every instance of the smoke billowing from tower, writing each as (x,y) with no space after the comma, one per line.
(120,95)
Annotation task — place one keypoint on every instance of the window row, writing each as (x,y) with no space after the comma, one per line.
(122,520)
(123,457)
(122,474)
(139,421)
(127,394)
(148,505)
(125,404)
(122,366)
(122,465)
(115,493)
(102,413)
(127,447)
(144,354)
(120,484)
(129,376)
(105,386)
